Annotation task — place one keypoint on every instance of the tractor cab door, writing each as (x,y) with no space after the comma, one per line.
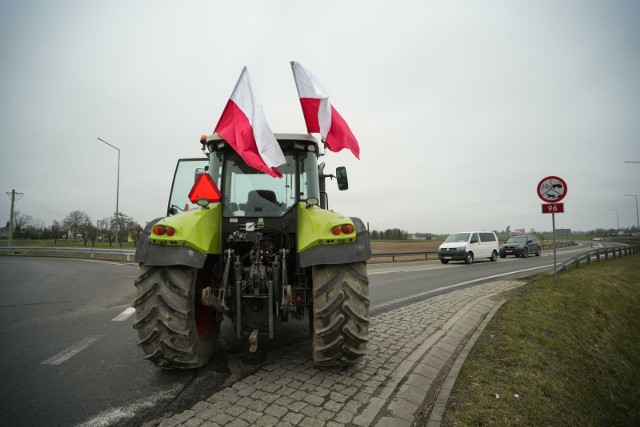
(183,179)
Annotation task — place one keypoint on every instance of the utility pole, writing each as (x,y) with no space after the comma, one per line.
(13,200)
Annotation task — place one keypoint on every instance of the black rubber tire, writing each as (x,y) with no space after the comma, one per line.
(469,258)
(525,253)
(340,314)
(174,331)
(444,261)
(494,256)
(539,251)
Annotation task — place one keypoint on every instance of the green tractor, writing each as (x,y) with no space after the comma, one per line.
(259,250)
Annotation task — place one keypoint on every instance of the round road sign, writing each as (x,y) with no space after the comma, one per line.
(552,189)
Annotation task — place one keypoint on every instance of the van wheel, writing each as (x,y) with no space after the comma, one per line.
(444,261)
(469,258)
(494,256)
(525,253)
(538,251)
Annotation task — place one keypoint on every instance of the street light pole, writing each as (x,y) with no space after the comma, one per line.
(117,192)
(637,216)
(617,219)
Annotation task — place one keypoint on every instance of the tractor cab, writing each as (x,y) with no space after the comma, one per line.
(249,193)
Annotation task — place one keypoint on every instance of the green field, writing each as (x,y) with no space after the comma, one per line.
(558,354)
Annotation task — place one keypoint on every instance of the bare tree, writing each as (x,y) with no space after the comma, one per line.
(86,230)
(21,220)
(128,228)
(106,230)
(56,227)
(91,234)
(133,229)
(75,222)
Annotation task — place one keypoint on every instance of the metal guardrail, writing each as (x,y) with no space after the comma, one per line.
(426,254)
(597,255)
(94,253)
(393,255)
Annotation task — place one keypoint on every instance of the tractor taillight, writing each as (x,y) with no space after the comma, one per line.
(161,230)
(347,229)
(344,229)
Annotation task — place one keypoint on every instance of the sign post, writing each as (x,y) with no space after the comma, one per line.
(552,190)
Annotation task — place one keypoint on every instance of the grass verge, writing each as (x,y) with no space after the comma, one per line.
(558,354)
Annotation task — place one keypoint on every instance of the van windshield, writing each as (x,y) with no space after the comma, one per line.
(458,237)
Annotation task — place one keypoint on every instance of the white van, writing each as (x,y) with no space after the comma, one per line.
(469,245)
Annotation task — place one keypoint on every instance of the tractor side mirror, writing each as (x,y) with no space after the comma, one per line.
(341,176)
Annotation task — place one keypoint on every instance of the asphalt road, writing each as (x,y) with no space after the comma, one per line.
(69,354)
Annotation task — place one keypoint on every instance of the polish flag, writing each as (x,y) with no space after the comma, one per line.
(244,126)
(320,115)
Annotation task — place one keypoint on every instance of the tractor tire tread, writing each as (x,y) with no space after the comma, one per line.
(164,319)
(340,314)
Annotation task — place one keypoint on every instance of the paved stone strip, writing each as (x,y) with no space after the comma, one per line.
(409,354)
(447,387)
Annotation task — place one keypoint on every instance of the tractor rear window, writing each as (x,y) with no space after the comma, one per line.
(249,192)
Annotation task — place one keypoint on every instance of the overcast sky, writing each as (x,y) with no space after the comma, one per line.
(460,107)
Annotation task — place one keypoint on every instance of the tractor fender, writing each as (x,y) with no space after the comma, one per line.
(160,256)
(345,253)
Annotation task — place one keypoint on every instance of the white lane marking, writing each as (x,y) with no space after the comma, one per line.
(112,416)
(101,261)
(455,285)
(67,354)
(124,315)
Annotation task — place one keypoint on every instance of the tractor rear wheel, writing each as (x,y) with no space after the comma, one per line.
(340,313)
(174,330)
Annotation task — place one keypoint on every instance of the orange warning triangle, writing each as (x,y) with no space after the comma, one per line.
(204,188)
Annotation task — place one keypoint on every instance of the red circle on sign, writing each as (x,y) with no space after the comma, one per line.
(552,189)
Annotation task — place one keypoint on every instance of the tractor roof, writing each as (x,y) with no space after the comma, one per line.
(279,137)
(286,140)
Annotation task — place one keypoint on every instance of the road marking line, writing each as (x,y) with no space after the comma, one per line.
(67,354)
(124,315)
(114,415)
(100,261)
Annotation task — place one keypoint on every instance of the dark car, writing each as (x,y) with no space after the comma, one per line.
(520,246)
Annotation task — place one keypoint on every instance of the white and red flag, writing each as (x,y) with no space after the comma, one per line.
(244,126)
(320,115)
